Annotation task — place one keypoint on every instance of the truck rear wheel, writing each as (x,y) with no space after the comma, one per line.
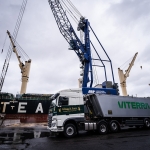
(114,127)
(147,123)
(102,128)
(70,130)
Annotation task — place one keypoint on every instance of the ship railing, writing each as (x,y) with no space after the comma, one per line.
(33,98)
(6,97)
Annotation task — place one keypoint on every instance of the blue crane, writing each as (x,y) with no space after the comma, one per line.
(83,49)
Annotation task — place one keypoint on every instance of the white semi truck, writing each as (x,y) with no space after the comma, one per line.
(70,112)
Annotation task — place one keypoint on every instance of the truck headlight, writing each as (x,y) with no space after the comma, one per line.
(53,124)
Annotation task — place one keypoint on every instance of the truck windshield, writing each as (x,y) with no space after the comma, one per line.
(54,96)
(53,100)
(53,103)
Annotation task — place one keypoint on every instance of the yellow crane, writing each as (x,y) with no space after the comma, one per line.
(123,76)
(25,67)
(15,33)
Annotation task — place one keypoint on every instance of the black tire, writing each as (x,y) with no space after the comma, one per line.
(114,127)
(70,130)
(146,123)
(102,127)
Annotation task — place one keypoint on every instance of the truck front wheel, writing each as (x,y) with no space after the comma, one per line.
(70,130)
(102,128)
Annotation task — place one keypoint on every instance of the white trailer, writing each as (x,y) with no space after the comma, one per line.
(70,112)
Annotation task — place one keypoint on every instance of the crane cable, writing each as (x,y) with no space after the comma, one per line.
(20,51)
(69,11)
(4,43)
(125,64)
(75,14)
(96,80)
(75,9)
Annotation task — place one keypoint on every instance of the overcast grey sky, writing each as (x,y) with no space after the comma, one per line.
(121,25)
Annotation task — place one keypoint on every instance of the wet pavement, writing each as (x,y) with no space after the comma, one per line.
(36,137)
(15,136)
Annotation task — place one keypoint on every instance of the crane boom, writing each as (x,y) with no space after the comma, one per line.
(130,66)
(83,50)
(66,29)
(8,56)
(123,76)
(14,49)
(25,68)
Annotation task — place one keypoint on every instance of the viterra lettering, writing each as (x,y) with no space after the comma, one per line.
(133,105)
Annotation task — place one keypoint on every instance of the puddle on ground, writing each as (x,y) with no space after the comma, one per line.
(19,137)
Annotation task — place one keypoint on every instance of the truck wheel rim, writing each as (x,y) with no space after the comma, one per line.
(70,131)
(114,126)
(103,128)
(147,123)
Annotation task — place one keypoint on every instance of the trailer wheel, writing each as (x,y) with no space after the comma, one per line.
(70,130)
(147,123)
(114,127)
(102,128)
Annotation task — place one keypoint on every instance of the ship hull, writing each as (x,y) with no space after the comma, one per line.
(29,108)
(28,118)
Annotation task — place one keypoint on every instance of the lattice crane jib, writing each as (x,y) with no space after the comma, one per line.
(9,53)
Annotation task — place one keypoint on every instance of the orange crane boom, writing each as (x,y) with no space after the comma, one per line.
(123,76)
(25,68)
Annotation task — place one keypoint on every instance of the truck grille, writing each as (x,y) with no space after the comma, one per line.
(49,120)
